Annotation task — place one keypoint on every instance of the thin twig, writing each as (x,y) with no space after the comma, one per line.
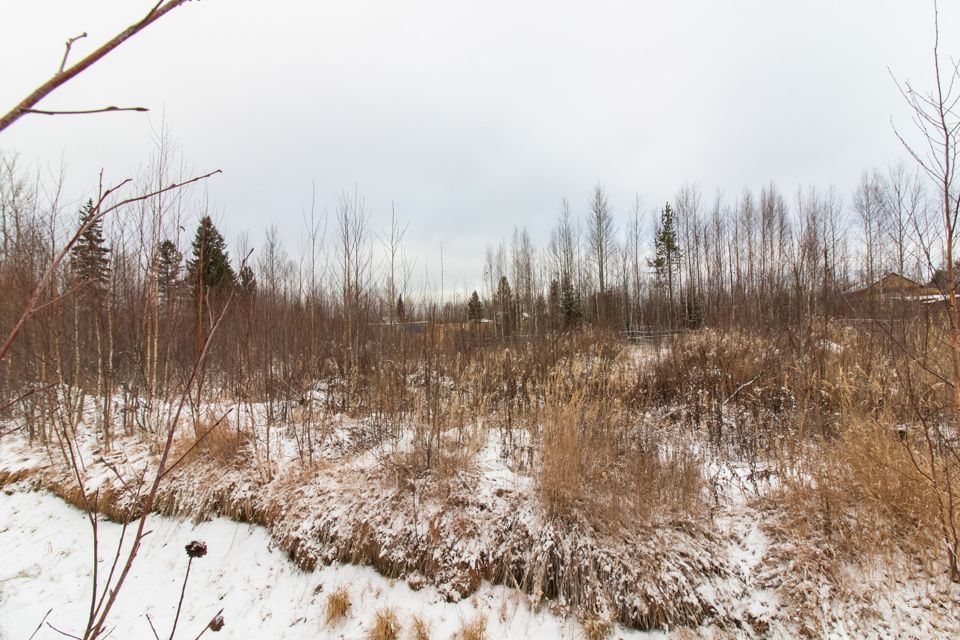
(174,419)
(204,630)
(152,628)
(66,53)
(22,398)
(68,73)
(63,633)
(40,626)
(31,306)
(196,443)
(81,112)
(183,591)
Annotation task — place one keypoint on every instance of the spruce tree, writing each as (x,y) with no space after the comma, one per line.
(401,311)
(169,262)
(504,306)
(474,308)
(247,281)
(570,302)
(667,253)
(209,265)
(666,245)
(89,263)
(554,305)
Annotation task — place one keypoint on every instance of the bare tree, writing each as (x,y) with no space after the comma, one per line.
(600,234)
(522,257)
(564,252)
(393,244)
(354,257)
(633,251)
(868,203)
(937,121)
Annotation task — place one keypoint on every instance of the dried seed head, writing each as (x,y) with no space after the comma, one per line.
(196,549)
(217,623)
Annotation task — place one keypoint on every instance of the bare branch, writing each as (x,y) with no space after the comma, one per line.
(40,626)
(66,53)
(159,10)
(199,635)
(22,397)
(63,633)
(83,112)
(152,628)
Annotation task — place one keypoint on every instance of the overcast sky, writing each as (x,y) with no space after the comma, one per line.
(473,117)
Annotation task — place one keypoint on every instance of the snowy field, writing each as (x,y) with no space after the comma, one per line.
(747,560)
(46,567)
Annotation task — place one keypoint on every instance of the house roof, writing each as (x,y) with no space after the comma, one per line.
(893,282)
(889,283)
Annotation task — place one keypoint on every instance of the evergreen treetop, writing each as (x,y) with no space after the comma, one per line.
(474,308)
(169,261)
(89,261)
(666,244)
(209,264)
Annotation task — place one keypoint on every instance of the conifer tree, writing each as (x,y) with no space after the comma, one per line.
(209,265)
(554,307)
(89,263)
(504,306)
(246,280)
(667,253)
(401,311)
(570,302)
(474,308)
(169,264)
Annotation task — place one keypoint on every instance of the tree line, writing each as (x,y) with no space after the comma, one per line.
(760,259)
(134,304)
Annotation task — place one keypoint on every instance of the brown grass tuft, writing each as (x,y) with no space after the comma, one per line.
(386,626)
(476,629)
(419,628)
(595,461)
(597,629)
(9,477)
(217,441)
(338,605)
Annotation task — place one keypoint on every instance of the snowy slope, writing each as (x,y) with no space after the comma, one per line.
(46,565)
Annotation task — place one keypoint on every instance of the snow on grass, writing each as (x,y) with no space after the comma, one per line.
(47,548)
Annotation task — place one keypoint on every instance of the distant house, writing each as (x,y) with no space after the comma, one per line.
(889,285)
(897,287)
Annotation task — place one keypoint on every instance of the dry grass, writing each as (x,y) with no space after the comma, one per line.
(16,475)
(874,491)
(419,629)
(218,441)
(594,461)
(110,501)
(476,629)
(338,606)
(597,629)
(386,626)
(886,479)
(617,452)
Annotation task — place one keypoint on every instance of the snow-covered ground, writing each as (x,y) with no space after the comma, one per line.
(338,491)
(46,566)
